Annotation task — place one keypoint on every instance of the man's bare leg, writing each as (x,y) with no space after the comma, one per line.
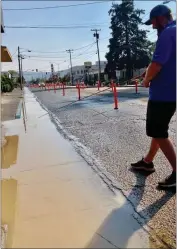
(154,147)
(168,149)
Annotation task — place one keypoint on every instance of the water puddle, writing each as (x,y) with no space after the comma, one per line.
(9,151)
(8,201)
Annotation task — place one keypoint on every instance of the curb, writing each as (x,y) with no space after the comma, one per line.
(18,112)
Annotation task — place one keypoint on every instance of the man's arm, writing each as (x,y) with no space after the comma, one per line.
(160,57)
(152,71)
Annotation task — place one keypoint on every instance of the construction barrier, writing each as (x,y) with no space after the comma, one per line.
(63,89)
(98,84)
(79,91)
(81,85)
(136,86)
(115,96)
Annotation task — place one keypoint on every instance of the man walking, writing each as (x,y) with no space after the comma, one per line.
(160,77)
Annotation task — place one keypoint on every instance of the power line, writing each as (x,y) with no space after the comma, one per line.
(58,6)
(84,52)
(91,53)
(15,52)
(44,60)
(64,51)
(85,24)
(56,57)
(53,27)
(84,46)
(40,56)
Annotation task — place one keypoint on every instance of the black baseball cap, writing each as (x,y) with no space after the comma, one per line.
(159,10)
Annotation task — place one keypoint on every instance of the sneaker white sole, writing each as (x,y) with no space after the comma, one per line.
(167,186)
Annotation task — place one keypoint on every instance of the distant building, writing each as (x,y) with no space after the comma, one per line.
(79,72)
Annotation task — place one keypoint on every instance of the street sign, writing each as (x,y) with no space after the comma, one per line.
(88,64)
(52,69)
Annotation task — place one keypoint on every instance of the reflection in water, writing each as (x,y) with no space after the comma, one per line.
(8,202)
(9,152)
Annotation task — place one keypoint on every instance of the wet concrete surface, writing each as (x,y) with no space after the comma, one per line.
(53,198)
(116,138)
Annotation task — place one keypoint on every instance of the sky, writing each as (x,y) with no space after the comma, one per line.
(42,41)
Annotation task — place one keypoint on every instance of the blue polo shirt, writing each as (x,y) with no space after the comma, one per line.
(163,86)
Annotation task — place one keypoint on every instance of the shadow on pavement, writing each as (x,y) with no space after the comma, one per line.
(121,235)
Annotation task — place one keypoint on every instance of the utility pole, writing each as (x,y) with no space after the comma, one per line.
(19,67)
(69,51)
(21,85)
(21,57)
(98,52)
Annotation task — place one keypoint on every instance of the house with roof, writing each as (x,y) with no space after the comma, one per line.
(5,54)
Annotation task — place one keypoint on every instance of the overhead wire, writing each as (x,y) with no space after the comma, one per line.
(56,57)
(64,51)
(55,7)
(54,27)
(14,52)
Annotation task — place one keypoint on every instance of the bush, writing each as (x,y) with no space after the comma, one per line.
(6,84)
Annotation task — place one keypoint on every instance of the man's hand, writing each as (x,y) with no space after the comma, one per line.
(152,71)
(146,83)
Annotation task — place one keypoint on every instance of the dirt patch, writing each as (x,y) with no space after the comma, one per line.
(9,104)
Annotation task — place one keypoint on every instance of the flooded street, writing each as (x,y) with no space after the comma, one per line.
(111,140)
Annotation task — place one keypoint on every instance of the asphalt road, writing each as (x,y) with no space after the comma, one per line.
(117,138)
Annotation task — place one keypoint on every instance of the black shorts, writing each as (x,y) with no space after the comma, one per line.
(158,118)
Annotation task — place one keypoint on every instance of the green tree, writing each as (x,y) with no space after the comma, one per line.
(152,48)
(65,79)
(129,47)
(7,84)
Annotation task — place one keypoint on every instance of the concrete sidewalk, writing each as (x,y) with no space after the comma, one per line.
(51,198)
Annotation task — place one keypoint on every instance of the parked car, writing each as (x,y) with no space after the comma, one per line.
(41,84)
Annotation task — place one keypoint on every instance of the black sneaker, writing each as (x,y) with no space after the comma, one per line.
(169,182)
(142,165)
